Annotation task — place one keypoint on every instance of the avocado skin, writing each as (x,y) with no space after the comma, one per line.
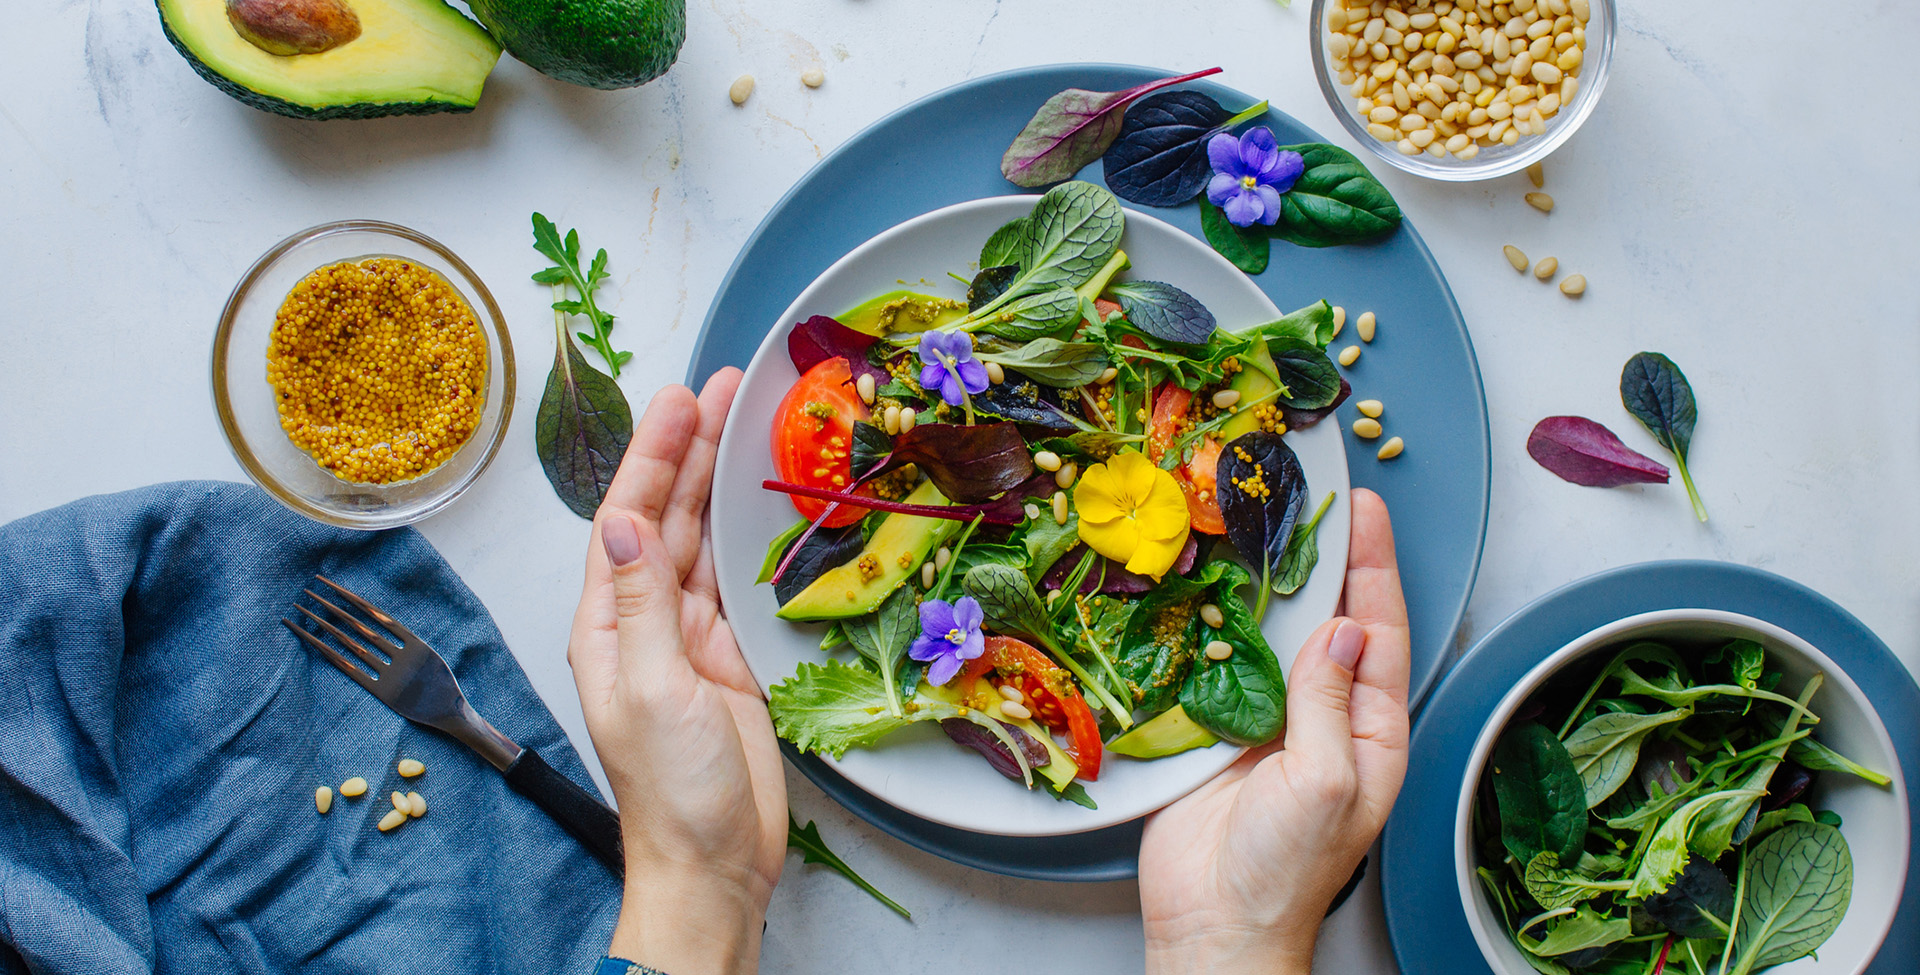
(605,44)
(268,103)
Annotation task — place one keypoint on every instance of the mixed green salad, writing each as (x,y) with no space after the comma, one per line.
(1663,820)
(1010,508)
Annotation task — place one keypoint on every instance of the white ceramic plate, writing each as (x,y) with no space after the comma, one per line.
(918,769)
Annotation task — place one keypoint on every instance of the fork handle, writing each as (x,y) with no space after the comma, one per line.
(587,818)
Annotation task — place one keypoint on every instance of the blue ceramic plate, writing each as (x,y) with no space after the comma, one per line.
(1422,361)
(1424,916)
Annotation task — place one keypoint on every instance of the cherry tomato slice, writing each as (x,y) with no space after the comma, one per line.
(1050,694)
(813,438)
(1196,477)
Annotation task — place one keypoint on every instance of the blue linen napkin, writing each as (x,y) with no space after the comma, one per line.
(161,737)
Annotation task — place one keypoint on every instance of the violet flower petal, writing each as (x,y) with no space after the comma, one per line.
(1270,204)
(952,391)
(967,614)
(1259,138)
(1223,152)
(1291,167)
(1221,188)
(932,375)
(925,648)
(943,669)
(1243,208)
(973,375)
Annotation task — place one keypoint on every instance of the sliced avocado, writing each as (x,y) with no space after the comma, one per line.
(903,311)
(597,43)
(365,57)
(894,552)
(1167,733)
(1254,380)
(1098,283)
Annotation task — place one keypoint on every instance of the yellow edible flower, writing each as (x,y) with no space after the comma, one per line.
(1132,512)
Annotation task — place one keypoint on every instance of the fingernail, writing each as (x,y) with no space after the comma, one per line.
(623,541)
(1349,638)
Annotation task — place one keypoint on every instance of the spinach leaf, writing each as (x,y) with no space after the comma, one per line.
(1308,376)
(582,428)
(969,464)
(1587,928)
(1543,806)
(1698,904)
(1050,360)
(989,284)
(1158,647)
(1335,201)
(1160,158)
(883,637)
(1047,540)
(1025,402)
(1605,749)
(1261,490)
(1242,699)
(1164,311)
(1583,452)
(813,849)
(1034,316)
(1303,552)
(1008,245)
(1656,392)
(1073,129)
(1247,248)
(1770,821)
(819,552)
(1798,882)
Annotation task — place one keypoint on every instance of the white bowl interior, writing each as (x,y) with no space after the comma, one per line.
(918,769)
(1873,819)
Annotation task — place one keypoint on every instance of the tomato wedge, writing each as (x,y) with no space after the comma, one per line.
(1049,693)
(813,438)
(1196,477)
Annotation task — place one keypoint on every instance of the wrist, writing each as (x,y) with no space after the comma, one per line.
(684,922)
(1227,949)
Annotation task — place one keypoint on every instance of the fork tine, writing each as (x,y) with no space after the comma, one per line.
(335,657)
(363,653)
(380,643)
(393,625)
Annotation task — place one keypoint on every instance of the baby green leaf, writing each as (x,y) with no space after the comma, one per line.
(1007,246)
(1605,749)
(884,636)
(1243,698)
(1335,201)
(1262,490)
(565,256)
(1049,360)
(1798,881)
(829,709)
(1010,605)
(1587,928)
(1667,853)
(1247,248)
(813,849)
(582,428)
(989,284)
(1698,904)
(1071,235)
(1820,758)
(1308,376)
(1303,552)
(1073,129)
(1164,311)
(1555,886)
(1656,392)
(1034,316)
(1543,805)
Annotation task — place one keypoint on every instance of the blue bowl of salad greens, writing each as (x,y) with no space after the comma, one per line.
(1686,792)
(1024,508)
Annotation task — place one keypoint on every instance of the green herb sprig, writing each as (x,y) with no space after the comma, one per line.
(813,849)
(565,255)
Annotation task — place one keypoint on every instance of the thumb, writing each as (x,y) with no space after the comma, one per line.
(646,592)
(1321,686)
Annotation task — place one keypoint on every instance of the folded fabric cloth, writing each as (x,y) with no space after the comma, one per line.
(162,735)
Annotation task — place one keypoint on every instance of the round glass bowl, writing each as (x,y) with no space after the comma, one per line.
(246,402)
(1498,160)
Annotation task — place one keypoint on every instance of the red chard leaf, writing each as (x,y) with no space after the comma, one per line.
(1584,452)
(1072,129)
(821,338)
(1116,580)
(969,464)
(1008,509)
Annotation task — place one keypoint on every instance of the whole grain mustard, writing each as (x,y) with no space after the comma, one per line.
(379,369)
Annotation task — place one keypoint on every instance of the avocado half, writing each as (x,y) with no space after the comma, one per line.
(597,43)
(394,57)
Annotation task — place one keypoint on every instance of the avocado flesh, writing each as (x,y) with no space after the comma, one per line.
(902,311)
(413,57)
(1253,382)
(1167,733)
(897,548)
(603,44)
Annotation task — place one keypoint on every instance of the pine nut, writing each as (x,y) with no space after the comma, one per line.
(1370,407)
(1011,692)
(417,805)
(1574,286)
(1546,269)
(1211,615)
(391,820)
(996,373)
(401,802)
(409,768)
(355,786)
(323,799)
(1065,475)
(864,386)
(928,572)
(1219,650)
(1033,512)
(1015,710)
(1541,202)
(1059,507)
(1225,399)
(1391,449)
(1053,596)
(1537,175)
(1365,326)
(1382,131)
(941,558)
(1339,319)
(908,417)
(890,420)
(1047,460)
(741,88)
(1108,375)
(813,77)
(1349,355)
(1366,428)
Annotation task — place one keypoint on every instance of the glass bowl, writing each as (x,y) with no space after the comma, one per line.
(245,401)
(1498,160)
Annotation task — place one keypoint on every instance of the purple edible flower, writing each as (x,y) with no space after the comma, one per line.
(1249,174)
(950,366)
(949,636)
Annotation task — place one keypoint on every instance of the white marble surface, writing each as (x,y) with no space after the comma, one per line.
(1735,202)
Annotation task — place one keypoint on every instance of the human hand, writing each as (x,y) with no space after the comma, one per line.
(1237,876)
(676,718)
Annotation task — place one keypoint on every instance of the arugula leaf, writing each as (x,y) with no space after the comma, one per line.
(565,256)
(1164,311)
(1072,129)
(813,849)
(582,428)
(1247,248)
(1656,392)
(1074,793)
(1243,698)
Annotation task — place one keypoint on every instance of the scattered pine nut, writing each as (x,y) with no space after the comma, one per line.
(1211,615)
(1047,461)
(1537,174)
(890,420)
(401,802)
(996,373)
(1015,710)
(1108,375)
(864,386)
(1033,514)
(908,418)
(927,572)
(353,787)
(1516,257)
(1366,428)
(1065,475)
(1009,691)
(1370,407)
(1547,268)
(1059,507)
(1391,449)
(941,558)
(392,819)
(1349,355)
(814,78)
(1574,286)
(417,804)
(323,799)
(1366,325)
(1219,650)
(1339,319)
(1225,399)
(410,768)
(1053,596)
(742,88)
(1541,202)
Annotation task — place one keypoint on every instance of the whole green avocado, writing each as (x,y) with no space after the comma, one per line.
(597,43)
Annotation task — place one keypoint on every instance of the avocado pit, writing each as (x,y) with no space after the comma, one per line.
(289,27)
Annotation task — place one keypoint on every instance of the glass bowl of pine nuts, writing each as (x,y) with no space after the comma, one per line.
(363,374)
(1462,90)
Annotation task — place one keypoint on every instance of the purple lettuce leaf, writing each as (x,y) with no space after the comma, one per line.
(821,338)
(1584,452)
